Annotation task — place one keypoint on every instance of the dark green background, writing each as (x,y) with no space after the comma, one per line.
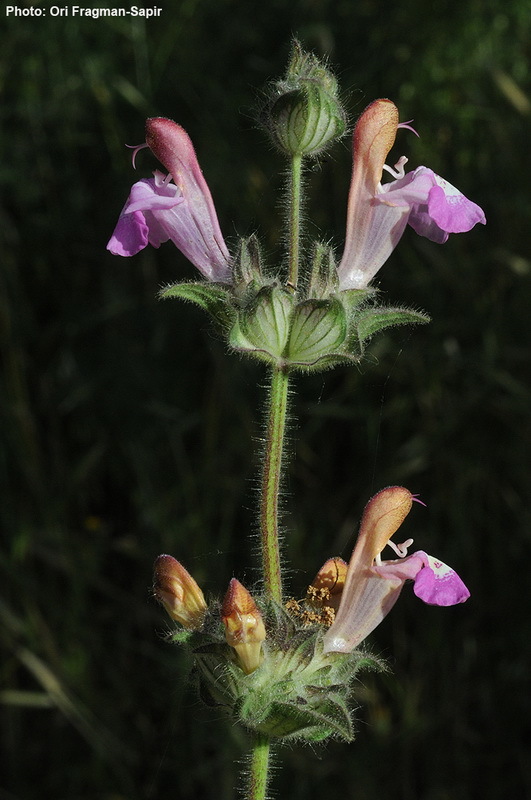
(128,431)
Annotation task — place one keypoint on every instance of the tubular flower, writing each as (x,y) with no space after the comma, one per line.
(183,211)
(372,586)
(377,214)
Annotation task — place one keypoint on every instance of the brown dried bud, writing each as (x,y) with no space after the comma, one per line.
(244,626)
(329,582)
(178,592)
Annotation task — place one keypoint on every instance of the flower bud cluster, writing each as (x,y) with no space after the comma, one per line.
(263,662)
(179,593)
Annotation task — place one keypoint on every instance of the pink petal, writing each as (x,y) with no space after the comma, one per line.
(451,210)
(130,235)
(376,231)
(423,224)
(156,211)
(153,194)
(403,569)
(136,227)
(436,207)
(440,210)
(438,584)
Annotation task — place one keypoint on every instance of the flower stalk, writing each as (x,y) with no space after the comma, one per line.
(295,220)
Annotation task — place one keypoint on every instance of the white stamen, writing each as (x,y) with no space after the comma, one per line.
(400,549)
(398,171)
(135,148)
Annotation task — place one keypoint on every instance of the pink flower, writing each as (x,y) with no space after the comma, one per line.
(183,211)
(372,586)
(377,214)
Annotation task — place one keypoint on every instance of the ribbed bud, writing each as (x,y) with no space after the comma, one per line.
(178,592)
(244,626)
(304,113)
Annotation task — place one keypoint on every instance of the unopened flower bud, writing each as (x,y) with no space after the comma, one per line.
(328,584)
(244,626)
(304,113)
(178,592)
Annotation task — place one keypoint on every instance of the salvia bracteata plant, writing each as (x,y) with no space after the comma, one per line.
(283,668)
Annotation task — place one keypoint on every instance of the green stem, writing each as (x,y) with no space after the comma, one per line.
(259,768)
(271,477)
(295,220)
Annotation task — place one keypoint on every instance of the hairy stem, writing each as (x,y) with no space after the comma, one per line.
(295,196)
(272,474)
(271,477)
(258,777)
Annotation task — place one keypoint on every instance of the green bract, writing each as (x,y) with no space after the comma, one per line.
(307,330)
(296,693)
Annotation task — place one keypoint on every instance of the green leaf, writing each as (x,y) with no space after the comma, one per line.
(239,341)
(280,720)
(376,319)
(318,329)
(211,297)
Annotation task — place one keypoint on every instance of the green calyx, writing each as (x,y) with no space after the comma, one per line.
(311,329)
(304,113)
(297,692)
(275,328)
(263,326)
(312,334)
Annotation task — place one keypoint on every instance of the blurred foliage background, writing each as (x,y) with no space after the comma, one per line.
(128,431)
